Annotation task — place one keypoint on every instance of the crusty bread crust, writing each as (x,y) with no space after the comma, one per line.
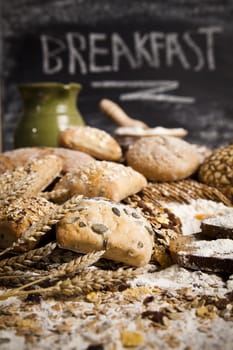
(19,215)
(71,159)
(103,179)
(98,143)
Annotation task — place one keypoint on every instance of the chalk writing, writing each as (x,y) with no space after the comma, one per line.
(157,93)
(107,52)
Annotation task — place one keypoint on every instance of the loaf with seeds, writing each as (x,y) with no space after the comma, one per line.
(19,215)
(100,224)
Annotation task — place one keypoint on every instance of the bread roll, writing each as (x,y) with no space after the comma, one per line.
(5,164)
(217,170)
(163,158)
(71,159)
(103,179)
(18,216)
(100,224)
(96,142)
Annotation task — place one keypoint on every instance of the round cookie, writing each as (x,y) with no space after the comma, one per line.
(163,158)
(95,142)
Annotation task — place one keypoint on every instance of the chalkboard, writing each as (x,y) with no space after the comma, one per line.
(168,63)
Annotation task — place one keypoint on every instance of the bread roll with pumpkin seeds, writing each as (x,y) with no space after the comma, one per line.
(99,224)
(18,216)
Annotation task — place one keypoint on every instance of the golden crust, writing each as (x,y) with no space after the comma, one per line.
(103,179)
(95,142)
(163,158)
(19,215)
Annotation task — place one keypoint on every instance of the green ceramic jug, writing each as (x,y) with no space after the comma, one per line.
(47,109)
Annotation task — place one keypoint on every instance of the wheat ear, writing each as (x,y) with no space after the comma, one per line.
(67,269)
(85,282)
(22,261)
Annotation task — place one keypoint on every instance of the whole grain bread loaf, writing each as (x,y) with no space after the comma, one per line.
(18,216)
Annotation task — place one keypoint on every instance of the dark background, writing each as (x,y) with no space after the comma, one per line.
(209,118)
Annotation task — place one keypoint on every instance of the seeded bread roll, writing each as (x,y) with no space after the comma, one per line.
(198,254)
(102,179)
(217,170)
(163,158)
(93,141)
(218,227)
(18,216)
(99,224)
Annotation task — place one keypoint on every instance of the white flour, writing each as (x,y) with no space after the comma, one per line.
(221,248)
(192,214)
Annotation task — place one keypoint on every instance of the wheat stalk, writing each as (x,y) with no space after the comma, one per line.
(67,269)
(41,227)
(86,281)
(19,278)
(59,256)
(23,261)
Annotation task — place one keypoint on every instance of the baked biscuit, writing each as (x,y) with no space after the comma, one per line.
(102,179)
(163,158)
(98,143)
(99,224)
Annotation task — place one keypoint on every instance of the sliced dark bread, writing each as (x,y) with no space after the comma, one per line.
(197,254)
(218,227)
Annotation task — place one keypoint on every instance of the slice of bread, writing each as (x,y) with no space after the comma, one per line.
(197,254)
(218,227)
